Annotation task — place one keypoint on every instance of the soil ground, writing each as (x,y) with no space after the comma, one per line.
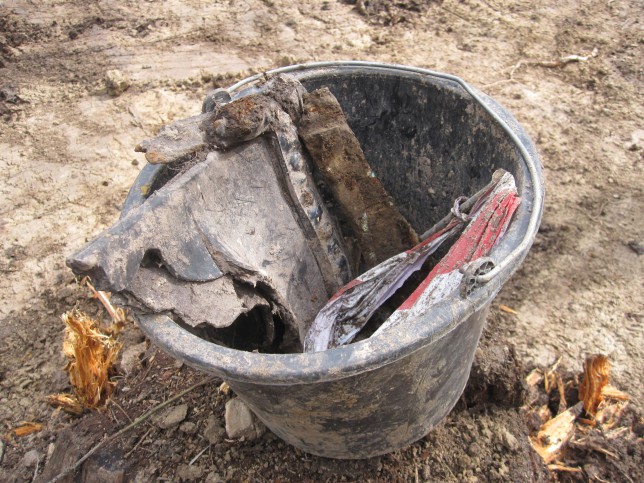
(66,151)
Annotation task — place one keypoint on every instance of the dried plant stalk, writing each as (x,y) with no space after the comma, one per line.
(67,402)
(91,352)
(549,379)
(560,467)
(224,388)
(508,310)
(611,392)
(596,376)
(562,394)
(117,313)
(534,378)
(25,429)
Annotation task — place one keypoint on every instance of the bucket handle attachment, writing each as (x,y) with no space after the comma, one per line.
(472,275)
(216,98)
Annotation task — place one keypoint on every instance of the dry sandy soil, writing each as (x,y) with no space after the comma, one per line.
(66,152)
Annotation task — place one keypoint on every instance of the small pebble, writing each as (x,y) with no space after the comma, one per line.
(30,459)
(116,83)
(214,477)
(188,427)
(241,422)
(510,441)
(474,449)
(131,357)
(214,431)
(636,247)
(172,417)
(189,473)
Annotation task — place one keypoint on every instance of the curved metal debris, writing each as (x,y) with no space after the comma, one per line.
(349,310)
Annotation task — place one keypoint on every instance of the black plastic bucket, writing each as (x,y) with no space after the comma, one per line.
(430,138)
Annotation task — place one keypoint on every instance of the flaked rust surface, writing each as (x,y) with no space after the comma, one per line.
(242,120)
(371,213)
(251,116)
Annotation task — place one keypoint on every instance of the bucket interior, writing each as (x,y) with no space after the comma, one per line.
(426,139)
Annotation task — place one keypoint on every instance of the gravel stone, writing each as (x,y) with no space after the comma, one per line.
(30,458)
(214,431)
(116,83)
(241,422)
(172,417)
(510,441)
(131,357)
(214,477)
(188,427)
(189,473)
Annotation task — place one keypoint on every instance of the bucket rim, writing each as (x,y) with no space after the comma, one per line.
(374,352)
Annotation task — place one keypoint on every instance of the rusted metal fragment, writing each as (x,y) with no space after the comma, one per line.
(242,120)
(371,213)
(164,227)
(348,311)
(287,92)
(253,115)
(231,310)
(487,223)
(175,141)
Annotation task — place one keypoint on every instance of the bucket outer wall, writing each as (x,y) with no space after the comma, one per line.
(371,413)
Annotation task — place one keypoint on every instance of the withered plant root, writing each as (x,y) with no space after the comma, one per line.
(118,314)
(555,434)
(603,404)
(26,428)
(91,352)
